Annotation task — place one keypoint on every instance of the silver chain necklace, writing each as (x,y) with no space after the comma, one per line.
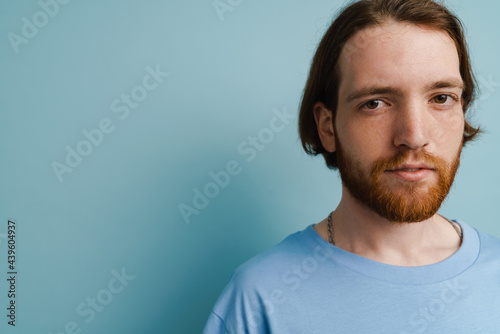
(332,241)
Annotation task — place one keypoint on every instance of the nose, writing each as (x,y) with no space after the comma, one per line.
(412,126)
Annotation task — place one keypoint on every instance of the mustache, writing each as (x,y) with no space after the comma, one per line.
(421,157)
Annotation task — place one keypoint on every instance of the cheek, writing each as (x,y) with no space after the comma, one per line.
(449,130)
(364,139)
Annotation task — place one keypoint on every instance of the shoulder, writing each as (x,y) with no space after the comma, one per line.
(486,239)
(488,246)
(268,266)
(488,242)
(257,277)
(256,283)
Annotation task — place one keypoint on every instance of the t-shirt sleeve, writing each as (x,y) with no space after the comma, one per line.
(246,306)
(239,308)
(215,325)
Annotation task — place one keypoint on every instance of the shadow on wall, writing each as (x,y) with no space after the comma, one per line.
(202,255)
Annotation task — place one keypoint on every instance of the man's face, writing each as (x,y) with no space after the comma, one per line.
(399,124)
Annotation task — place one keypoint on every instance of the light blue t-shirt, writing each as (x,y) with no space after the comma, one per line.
(306,285)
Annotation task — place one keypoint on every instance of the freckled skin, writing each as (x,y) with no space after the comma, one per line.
(407,57)
(410,110)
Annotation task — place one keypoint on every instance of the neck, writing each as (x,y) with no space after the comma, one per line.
(359,230)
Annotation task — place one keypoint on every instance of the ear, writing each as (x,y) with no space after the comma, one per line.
(324,123)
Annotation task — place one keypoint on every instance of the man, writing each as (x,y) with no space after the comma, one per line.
(385,103)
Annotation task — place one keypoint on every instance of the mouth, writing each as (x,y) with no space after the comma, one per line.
(406,169)
(410,168)
(407,172)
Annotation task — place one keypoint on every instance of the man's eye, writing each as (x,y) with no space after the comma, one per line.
(441,99)
(373,104)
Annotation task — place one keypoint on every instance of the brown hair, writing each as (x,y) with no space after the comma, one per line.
(324,76)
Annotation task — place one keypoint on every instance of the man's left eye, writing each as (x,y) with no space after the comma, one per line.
(441,99)
(373,104)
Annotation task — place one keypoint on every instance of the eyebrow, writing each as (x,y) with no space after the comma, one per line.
(380,90)
(452,83)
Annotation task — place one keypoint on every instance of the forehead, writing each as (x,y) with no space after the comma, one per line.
(398,54)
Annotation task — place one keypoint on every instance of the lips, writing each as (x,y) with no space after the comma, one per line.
(411,172)
(410,168)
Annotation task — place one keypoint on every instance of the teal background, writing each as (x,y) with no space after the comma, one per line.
(120,207)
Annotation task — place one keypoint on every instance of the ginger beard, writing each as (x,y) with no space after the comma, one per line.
(407,201)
